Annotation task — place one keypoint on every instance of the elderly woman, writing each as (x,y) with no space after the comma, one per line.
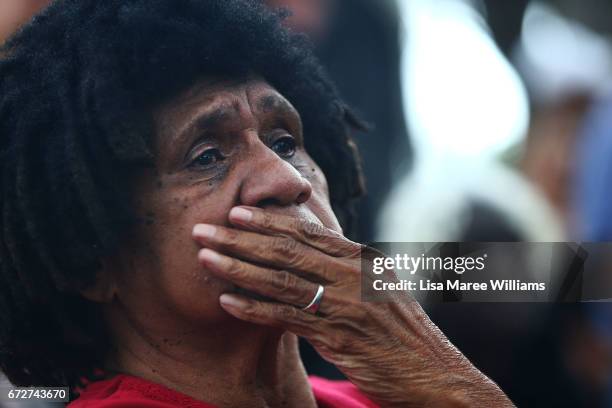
(168,174)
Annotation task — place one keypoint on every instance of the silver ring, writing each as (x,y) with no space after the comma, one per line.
(314,304)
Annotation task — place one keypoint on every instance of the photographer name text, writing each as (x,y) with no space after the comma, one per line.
(428,285)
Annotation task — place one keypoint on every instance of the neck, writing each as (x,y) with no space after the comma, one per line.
(232,364)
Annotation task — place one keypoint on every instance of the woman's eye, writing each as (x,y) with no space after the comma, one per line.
(284,147)
(208,158)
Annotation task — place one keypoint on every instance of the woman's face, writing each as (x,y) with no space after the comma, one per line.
(219,145)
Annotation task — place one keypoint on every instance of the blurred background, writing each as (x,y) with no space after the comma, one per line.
(491,120)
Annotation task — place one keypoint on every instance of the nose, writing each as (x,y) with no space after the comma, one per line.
(273,181)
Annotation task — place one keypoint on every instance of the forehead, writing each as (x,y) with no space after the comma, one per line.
(216,99)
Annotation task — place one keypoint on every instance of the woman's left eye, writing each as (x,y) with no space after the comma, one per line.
(284,147)
(208,158)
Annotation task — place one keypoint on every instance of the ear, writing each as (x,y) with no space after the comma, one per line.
(104,288)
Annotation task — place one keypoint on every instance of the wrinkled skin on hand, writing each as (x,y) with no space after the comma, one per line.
(391,351)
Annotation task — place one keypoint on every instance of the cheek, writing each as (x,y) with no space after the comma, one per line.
(319,202)
(319,205)
(167,276)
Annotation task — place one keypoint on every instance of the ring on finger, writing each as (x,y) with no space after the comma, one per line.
(315,303)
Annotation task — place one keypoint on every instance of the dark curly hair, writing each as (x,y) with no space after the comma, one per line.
(77,90)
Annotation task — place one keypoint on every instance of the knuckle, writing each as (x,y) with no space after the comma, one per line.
(285,246)
(287,313)
(284,283)
(235,268)
(330,271)
(267,221)
(231,239)
(252,310)
(313,231)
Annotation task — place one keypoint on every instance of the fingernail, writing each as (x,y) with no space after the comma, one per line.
(204,230)
(232,301)
(208,255)
(241,214)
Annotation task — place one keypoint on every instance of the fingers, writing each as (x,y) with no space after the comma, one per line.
(307,232)
(279,252)
(271,314)
(281,286)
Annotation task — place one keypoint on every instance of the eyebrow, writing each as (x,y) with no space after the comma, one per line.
(216,115)
(274,102)
(207,120)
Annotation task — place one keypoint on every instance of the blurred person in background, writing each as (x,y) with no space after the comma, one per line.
(592,205)
(565,66)
(13,13)
(592,178)
(569,356)
(594,14)
(527,348)
(490,202)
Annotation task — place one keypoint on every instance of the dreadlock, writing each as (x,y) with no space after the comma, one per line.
(77,89)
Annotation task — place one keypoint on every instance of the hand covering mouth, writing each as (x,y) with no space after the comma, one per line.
(298,212)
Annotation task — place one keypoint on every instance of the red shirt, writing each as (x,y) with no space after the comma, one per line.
(123,391)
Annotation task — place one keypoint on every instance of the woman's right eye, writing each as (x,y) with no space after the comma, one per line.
(208,158)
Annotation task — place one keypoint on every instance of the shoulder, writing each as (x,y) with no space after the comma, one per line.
(125,391)
(336,394)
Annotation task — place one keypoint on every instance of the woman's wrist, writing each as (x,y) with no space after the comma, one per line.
(469,390)
(463,388)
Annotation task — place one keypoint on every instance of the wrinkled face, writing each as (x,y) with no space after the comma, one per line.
(219,145)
